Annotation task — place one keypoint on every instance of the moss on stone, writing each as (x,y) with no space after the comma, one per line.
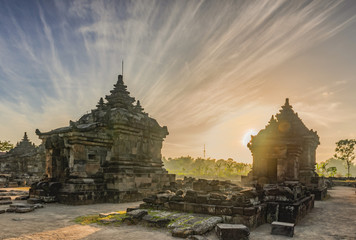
(90,219)
(84,220)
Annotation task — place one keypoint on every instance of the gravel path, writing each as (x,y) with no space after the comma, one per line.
(334,218)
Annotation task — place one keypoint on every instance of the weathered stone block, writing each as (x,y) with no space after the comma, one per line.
(190,207)
(5,198)
(5,202)
(190,199)
(176,198)
(182,232)
(223,210)
(226,203)
(282,228)
(177,206)
(206,225)
(202,199)
(238,210)
(211,209)
(232,231)
(196,237)
(249,221)
(156,222)
(217,196)
(179,192)
(138,213)
(249,211)
(272,212)
(213,201)
(24,210)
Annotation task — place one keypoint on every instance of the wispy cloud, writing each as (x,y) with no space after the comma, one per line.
(189,62)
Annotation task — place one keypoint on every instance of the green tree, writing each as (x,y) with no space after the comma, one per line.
(345,151)
(331,171)
(321,169)
(5,146)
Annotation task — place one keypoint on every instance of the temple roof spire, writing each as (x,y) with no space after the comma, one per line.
(138,106)
(25,138)
(120,97)
(100,103)
(286,104)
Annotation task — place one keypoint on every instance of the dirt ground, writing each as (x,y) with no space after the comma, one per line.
(334,218)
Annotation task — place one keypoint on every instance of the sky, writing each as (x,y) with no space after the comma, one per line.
(213,72)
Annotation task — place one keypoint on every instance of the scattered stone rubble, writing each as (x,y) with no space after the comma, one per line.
(12,204)
(23,207)
(289,202)
(180,224)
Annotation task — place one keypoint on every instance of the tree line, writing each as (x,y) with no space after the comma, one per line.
(206,168)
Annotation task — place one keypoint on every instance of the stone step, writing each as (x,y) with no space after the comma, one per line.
(5,202)
(24,210)
(34,200)
(282,228)
(22,197)
(22,205)
(5,198)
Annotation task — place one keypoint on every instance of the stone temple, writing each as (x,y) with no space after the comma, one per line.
(285,151)
(112,154)
(22,165)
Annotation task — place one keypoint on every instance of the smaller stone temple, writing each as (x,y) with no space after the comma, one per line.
(285,151)
(23,165)
(112,154)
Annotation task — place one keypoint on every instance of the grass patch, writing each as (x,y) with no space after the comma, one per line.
(84,220)
(90,219)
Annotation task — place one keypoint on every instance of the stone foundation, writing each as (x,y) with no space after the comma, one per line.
(288,202)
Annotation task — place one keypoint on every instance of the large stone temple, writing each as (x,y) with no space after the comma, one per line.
(285,151)
(22,165)
(112,154)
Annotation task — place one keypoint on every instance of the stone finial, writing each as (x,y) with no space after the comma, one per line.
(100,103)
(286,104)
(272,120)
(120,97)
(25,138)
(138,106)
(120,79)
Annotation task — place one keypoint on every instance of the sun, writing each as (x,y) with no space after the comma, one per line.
(247,136)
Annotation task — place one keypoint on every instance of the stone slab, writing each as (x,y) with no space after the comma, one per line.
(232,231)
(24,210)
(282,228)
(138,213)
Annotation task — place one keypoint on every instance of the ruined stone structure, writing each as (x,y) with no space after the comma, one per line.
(23,164)
(287,202)
(112,154)
(285,151)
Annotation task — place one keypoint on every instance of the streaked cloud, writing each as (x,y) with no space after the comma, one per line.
(194,65)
